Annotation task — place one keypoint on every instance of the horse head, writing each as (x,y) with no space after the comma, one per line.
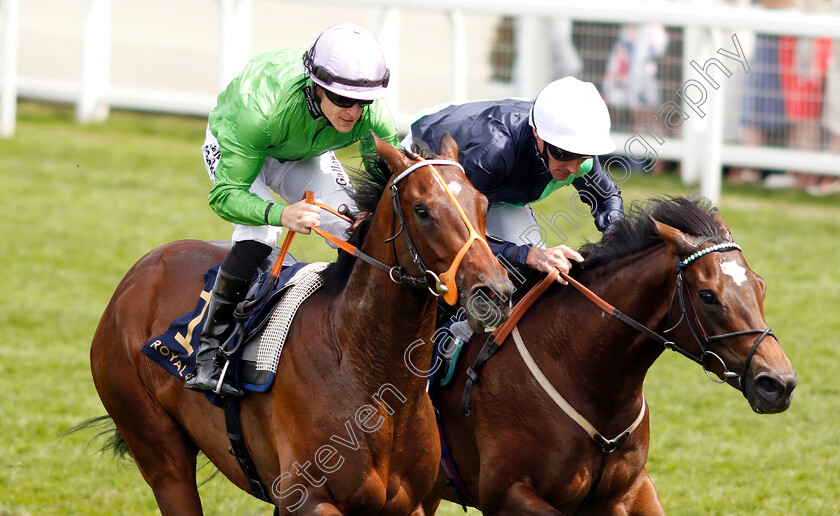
(439,219)
(722,307)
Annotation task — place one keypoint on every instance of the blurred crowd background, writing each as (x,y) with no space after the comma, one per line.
(170,52)
(789,99)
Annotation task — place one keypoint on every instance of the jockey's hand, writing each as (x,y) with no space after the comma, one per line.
(553,258)
(301,216)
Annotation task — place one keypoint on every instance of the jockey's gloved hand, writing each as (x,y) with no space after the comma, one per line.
(609,230)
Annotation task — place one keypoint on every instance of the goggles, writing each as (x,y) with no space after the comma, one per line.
(563,155)
(327,77)
(345,102)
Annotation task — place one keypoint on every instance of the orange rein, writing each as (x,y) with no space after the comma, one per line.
(309,197)
(447,279)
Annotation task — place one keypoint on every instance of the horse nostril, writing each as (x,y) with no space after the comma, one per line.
(770,387)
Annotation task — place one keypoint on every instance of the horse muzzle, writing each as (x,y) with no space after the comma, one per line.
(488,307)
(770,393)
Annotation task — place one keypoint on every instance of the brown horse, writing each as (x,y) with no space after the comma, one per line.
(346,427)
(519,453)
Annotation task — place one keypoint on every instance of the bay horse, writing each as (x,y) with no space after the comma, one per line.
(671,265)
(346,427)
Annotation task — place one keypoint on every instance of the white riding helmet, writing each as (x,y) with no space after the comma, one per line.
(570,114)
(348,60)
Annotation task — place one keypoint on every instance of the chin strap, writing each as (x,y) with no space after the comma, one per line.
(313,105)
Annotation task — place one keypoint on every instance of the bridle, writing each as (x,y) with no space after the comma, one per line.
(701,337)
(680,290)
(436,284)
(445,283)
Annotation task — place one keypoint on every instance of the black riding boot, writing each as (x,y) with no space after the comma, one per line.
(227,293)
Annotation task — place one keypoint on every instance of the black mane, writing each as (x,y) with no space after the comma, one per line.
(691,215)
(369,183)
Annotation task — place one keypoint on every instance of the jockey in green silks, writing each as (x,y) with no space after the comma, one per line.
(275,128)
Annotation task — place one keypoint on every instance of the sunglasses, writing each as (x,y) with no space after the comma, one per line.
(563,155)
(345,102)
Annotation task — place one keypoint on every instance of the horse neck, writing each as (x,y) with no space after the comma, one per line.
(377,319)
(641,287)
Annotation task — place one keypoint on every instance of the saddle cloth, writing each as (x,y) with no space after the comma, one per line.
(262,350)
(265,331)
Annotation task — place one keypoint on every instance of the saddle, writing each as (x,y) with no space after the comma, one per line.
(258,341)
(266,336)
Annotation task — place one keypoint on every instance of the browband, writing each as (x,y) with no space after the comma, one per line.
(424,163)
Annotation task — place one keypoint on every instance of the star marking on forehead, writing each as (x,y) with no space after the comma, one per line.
(454,187)
(738,273)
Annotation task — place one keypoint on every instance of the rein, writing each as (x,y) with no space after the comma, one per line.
(608,446)
(437,285)
(703,343)
(445,283)
(396,273)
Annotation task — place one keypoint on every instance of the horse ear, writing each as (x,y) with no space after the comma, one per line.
(393,157)
(678,242)
(448,147)
(721,224)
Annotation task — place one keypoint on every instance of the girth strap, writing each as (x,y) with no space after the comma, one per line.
(240,451)
(490,345)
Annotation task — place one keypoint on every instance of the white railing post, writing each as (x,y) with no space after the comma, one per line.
(385,23)
(458,61)
(712,167)
(8,97)
(94,82)
(532,67)
(234,38)
(692,127)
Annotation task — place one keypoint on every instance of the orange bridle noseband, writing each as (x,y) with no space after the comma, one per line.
(445,283)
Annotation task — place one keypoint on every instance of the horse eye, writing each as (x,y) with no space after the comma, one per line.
(708,297)
(422,211)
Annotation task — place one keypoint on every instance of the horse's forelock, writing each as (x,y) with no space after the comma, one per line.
(369,183)
(422,148)
(691,215)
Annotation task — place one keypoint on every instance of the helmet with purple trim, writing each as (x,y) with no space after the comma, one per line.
(348,60)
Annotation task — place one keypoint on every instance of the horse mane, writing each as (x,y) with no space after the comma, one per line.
(691,215)
(369,183)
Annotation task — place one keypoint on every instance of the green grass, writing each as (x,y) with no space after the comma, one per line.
(80,204)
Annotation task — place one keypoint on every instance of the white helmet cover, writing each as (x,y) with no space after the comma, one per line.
(571,115)
(348,60)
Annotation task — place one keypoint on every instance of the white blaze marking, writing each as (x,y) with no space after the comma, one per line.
(738,273)
(454,187)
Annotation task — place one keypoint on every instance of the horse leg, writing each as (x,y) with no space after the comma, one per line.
(429,507)
(316,505)
(168,466)
(324,509)
(521,499)
(639,500)
(161,449)
(421,511)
